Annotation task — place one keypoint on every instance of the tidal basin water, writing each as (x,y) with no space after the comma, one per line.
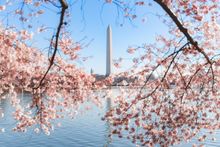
(85,130)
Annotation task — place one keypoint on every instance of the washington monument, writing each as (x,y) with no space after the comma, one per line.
(109,51)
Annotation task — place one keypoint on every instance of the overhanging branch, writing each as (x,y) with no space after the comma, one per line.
(182,29)
(64,6)
(188,36)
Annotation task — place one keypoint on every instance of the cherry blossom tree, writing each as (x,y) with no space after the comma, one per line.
(55,84)
(183,99)
(175,106)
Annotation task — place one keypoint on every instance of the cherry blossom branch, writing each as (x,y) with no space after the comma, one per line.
(64,7)
(182,29)
(173,55)
(188,36)
(175,52)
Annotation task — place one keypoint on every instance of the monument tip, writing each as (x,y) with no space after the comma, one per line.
(109,27)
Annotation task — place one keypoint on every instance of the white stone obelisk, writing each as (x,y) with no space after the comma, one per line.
(109,51)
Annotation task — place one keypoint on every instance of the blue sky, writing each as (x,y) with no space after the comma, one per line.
(94,21)
(90,20)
